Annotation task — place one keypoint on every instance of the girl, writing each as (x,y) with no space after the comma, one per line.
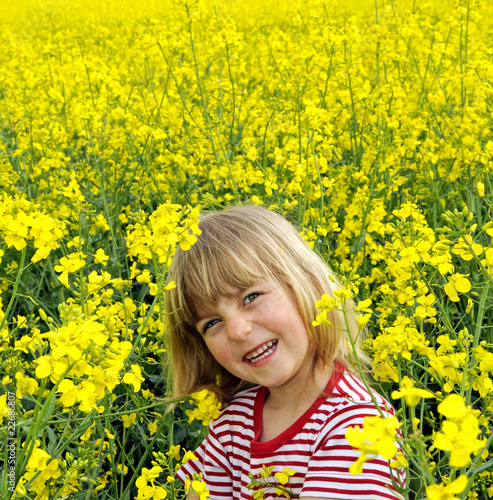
(240,324)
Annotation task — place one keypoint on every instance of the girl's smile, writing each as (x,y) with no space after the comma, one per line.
(258,335)
(261,352)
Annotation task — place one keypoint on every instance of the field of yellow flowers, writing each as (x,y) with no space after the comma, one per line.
(368,123)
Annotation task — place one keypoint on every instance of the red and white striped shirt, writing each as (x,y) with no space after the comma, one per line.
(314,446)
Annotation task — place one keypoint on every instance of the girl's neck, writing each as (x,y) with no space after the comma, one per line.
(284,405)
(299,397)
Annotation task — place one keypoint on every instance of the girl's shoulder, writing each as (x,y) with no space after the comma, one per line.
(240,409)
(353,389)
(243,400)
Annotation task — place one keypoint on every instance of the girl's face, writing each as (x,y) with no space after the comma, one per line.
(259,336)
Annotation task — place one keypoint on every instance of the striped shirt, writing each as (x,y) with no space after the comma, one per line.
(314,446)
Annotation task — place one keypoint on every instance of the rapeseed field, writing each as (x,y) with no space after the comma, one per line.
(367,123)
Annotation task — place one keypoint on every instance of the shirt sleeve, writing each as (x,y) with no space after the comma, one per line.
(188,469)
(213,463)
(328,473)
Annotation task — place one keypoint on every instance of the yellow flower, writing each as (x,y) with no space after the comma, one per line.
(454,407)
(266,471)
(407,296)
(151,492)
(101,223)
(446,491)
(174,452)
(457,283)
(85,437)
(200,489)
(148,475)
(400,461)
(207,407)
(129,420)
(109,435)
(252,154)
(459,433)
(188,456)
(411,394)
(152,426)
(100,257)
(134,377)
(325,305)
(4,409)
(122,468)
(283,477)
(144,277)
(70,263)
(377,437)
(38,458)
(467,248)
(424,309)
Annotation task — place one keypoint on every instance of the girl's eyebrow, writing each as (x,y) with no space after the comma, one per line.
(208,309)
(203,316)
(205,313)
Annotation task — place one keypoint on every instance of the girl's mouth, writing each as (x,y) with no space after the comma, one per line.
(261,352)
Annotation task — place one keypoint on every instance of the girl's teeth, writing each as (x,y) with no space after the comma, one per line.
(262,352)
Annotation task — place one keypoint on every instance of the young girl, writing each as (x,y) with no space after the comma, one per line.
(240,324)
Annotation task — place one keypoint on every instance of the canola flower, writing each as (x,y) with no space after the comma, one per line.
(376,438)
(367,123)
(459,433)
(446,491)
(411,394)
(206,407)
(150,491)
(265,483)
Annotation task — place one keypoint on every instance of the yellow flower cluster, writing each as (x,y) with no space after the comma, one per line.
(40,465)
(22,222)
(446,491)
(148,485)
(197,487)
(145,483)
(206,407)
(79,351)
(459,433)
(262,484)
(167,226)
(376,437)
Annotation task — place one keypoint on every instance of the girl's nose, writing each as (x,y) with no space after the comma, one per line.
(238,328)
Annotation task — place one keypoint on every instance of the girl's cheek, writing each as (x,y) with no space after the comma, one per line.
(215,346)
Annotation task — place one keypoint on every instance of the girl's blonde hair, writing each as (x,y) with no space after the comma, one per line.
(238,247)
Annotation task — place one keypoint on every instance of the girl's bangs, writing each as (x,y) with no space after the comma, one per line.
(211,275)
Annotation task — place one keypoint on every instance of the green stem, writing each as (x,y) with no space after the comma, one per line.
(361,371)
(146,453)
(470,471)
(476,340)
(14,291)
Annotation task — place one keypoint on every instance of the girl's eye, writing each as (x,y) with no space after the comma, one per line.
(250,297)
(209,324)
